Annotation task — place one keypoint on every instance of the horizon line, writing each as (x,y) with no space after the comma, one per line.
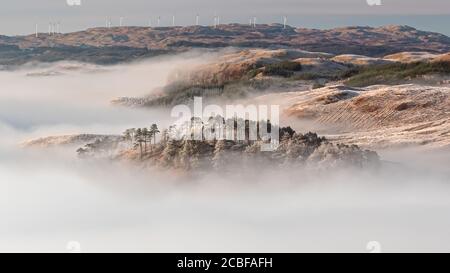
(224,24)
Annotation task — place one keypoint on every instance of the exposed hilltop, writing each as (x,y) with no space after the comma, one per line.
(112,45)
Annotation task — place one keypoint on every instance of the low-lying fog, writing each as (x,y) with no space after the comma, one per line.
(50,198)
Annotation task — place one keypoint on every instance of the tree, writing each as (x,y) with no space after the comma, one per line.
(188,155)
(128,135)
(132,133)
(170,153)
(139,139)
(154,130)
(82,152)
(145,137)
(220,158)
(165,136)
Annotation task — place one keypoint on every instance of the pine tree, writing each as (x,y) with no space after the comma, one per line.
(154,130)
(127,135)
(170,153)
(220,155)
(139,140)
(145,137)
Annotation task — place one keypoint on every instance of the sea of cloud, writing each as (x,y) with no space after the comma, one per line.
(50,197)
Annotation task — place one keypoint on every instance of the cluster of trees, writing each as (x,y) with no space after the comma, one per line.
(228,155)
(142,137)
(295,150)
(101,146)
(216,128)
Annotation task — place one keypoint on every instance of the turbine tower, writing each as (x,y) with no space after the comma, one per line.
(284,21)
(121,21)
(197,20)
(36,31)
(215,19)
(159,21)
(51,28)
(173,20)
(254,22)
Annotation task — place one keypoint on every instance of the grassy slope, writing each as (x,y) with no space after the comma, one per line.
(395,73)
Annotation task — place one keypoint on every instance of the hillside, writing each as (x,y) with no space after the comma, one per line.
(75,140)
(118,44)
(241,73)
(375,117)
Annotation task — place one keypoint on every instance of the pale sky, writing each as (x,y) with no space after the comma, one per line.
(20,16)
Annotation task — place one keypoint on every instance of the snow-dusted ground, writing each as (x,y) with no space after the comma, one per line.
(373,117)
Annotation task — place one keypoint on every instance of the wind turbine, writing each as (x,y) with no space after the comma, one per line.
(159,21)
(197,20)
(51,28)
(254,22)
(284,21)
(215,19)
(173,20)
(36,31)
(121,21)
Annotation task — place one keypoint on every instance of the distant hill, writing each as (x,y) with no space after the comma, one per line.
(119,44)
